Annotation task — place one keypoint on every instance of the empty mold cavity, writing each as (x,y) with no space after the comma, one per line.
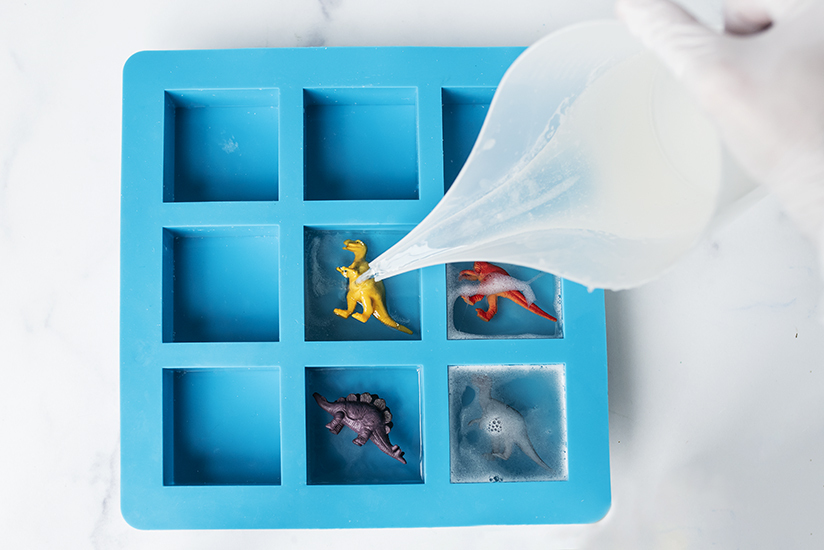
(507,423)
(511,319)
(220,284)
(335,459)
(221,145)
(464,112)
(361,143)
(325,288)
(221,426)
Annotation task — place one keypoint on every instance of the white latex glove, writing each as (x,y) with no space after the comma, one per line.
(762,81)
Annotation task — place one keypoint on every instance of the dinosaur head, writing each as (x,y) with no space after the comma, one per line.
(482,382)
(356,247)
(348,273)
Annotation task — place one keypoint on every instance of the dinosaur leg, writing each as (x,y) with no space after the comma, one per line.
(507,450)
(497,448)
(469,275)
(471,300)
(517,297)
(336,424)
(368,310)
(362,438)
(350,307)
(492,299)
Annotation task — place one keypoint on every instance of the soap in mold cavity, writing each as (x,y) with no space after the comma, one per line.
(325,289)
(507,423)
(539,315)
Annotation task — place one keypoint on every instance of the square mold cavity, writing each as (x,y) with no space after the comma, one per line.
(361,144)
(507,423)
(221,426)
(464,112)
(325,288)
(220,284)
(221,145)
(511,319)
(334,459)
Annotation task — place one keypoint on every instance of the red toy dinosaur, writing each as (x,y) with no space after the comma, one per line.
(483,271)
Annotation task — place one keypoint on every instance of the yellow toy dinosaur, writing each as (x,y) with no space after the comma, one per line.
(370,294)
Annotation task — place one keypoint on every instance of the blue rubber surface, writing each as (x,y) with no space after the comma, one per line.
(243,172)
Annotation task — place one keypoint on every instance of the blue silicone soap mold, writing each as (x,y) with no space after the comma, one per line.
(243,172)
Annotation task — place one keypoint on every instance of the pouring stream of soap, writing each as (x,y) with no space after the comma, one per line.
(592,164)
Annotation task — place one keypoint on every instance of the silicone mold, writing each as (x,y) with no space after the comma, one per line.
(243,173)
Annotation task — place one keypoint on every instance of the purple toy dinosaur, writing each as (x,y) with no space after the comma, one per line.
(366,415)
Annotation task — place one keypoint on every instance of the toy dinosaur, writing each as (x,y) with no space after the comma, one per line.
(495,282)
(365,414)
(504,425)
(370,294)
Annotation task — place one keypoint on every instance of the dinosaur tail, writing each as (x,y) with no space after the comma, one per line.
(383,317)
(381,440)
(529,451)
(517,297)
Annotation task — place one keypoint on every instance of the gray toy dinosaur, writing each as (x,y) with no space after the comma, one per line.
(505,425)
(366,415)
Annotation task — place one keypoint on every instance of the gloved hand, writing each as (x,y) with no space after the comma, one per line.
(762,81)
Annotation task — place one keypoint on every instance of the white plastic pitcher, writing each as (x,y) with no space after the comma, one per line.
(592,164)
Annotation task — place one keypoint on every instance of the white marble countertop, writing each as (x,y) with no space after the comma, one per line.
(716,369)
